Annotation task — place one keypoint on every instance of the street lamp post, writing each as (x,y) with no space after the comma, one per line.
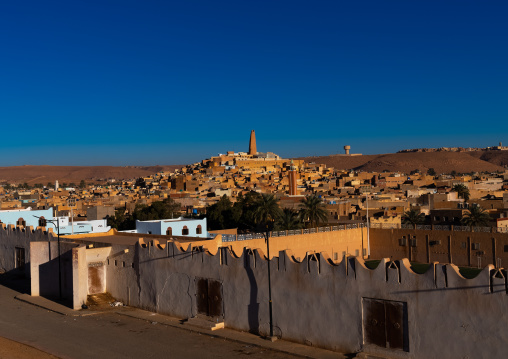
(267,238)
(57,226)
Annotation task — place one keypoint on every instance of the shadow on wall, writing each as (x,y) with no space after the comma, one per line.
(253,307)
(49,279)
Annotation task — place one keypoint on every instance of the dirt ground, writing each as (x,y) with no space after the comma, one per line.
(102,303)
(14,350)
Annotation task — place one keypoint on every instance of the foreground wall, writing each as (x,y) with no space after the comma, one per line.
(336,243)
(316,302)
(47,267)
(460,248)
(15,242)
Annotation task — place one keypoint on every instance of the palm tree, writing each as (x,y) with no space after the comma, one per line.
(462,191)
(288,220)
(476,216)
(313,210)
(266,209)
(413,217)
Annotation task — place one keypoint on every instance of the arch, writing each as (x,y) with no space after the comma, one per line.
(185,231)
(199,229)
(42,222)
(169,231)
(21,222)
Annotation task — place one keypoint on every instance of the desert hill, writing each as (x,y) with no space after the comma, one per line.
(442,162)
(68,174)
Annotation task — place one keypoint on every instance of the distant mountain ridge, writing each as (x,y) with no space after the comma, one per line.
(442,162)
(67,174)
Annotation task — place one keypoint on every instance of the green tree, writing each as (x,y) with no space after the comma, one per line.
(431,171)
(266,209)
(156,211)
(243,211)
(462,191)
(476,216)
(140,182)
(413,217)
(121,221)
(219,215)
(82,184)
(313,211)
(288,220)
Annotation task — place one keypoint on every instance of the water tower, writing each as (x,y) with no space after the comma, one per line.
(347,148)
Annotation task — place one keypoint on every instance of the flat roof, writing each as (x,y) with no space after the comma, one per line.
(129,239)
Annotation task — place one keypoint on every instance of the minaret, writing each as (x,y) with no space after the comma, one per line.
(293,191)
(252,143)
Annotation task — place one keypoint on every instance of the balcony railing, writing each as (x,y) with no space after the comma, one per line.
(293,232)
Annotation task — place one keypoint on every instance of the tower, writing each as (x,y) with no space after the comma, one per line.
(293,191)
(252,143)
(347,148)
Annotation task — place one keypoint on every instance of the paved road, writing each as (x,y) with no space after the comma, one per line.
(110,335)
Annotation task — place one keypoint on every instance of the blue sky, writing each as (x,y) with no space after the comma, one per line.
(122,82)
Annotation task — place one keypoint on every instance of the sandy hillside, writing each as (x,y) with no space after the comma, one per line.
(68,174)
(442,162)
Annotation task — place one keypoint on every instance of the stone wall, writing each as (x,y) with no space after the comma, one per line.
(320,303)
(459,248)
(336,243)
(12,237)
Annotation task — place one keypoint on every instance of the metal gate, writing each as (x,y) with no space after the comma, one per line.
(385,323)
(209,297)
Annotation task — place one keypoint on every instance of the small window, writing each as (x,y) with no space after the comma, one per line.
(463,245)
(185,231)
(116,263)
(198,229)
(169,231)
(402,241)
(476,246)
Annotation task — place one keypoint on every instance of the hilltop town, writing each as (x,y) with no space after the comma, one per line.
(345,193)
